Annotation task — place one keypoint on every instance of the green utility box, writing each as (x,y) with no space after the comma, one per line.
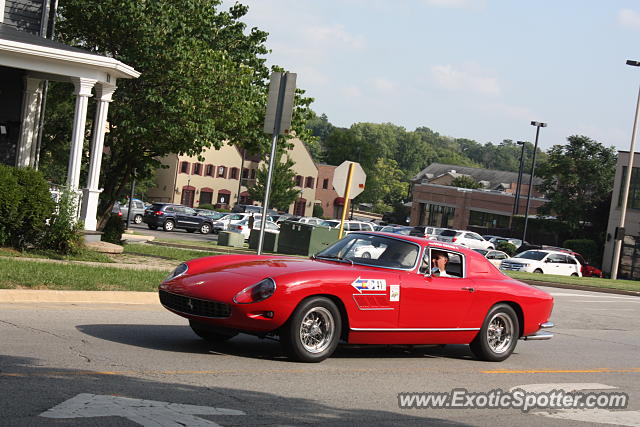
(269,244)
(304,239)
(229,238)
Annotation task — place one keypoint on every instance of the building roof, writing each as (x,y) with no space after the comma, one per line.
(494,177)
(7,32)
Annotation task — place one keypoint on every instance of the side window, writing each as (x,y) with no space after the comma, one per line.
(445,263)
(189,211)
(500,256)
(169,209)
(555,258)
(178,209)
(571,260)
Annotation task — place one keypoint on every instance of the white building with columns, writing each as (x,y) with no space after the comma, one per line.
(26,62)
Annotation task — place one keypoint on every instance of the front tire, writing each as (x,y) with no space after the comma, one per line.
(498,336)
(537,271)
(205,228)
(313,331)
(210,334)
(574,274)
(169,225)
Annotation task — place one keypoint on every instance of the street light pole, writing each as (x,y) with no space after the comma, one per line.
(538,125)
(627,183)
(516,204)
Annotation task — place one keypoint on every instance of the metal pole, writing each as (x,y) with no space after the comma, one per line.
(533,170)
(274,141)
(516,205)
(133,189)
(347,191)
(244,152)
(625,193)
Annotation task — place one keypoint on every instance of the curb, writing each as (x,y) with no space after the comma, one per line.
(79,297)
(582,288)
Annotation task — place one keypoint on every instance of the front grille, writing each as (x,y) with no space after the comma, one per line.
(513,266)
(195,306)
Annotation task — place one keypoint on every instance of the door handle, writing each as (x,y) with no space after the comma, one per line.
(466,288)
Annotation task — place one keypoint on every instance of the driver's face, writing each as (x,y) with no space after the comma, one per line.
(439,261)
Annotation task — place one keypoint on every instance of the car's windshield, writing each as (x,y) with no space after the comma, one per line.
(375,250)
(535,255)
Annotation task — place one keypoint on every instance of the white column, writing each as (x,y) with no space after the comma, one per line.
(82,92)
(91,193)
(31,101)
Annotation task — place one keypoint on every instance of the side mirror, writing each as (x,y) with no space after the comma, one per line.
(435,271)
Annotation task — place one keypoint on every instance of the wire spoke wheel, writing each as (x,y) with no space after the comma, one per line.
(500,333)
(317,330)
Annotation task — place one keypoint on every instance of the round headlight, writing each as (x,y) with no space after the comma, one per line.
(179,271)
(256,293)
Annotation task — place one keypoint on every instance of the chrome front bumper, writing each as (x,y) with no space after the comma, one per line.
(541,335)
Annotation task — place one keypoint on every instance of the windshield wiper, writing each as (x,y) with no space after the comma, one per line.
(333,257)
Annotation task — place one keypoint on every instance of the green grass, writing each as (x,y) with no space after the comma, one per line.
(40,275)
(166,252)
(629,285)
(83,255)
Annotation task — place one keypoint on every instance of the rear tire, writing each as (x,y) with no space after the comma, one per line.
(574,274)
(210,334)
(169,225)
(498,336)
(366,255)
(137,219)
(537,271)
(205,228)
(313,331)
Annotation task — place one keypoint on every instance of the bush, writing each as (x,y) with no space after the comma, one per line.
(585,247)
(113,230)
(63,233)
(206,206)
(508,248)
(318,212)
(25,206)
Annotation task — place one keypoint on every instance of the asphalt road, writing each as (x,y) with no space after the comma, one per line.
(110,364)
(177,234)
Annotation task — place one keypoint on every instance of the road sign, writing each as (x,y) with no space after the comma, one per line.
(357,180)
(141,411)
(282,88)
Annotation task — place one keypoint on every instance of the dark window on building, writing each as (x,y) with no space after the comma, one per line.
(206,197)
(437,215)
(634,189)
(197,168)
(245,173)
(309,182)
(184,167)
(253,174)
(209,170)
(298,181)
(234,173)
(485,219)
(222,171)
(325,183)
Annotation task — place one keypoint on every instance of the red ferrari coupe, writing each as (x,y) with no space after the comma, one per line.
(368,288)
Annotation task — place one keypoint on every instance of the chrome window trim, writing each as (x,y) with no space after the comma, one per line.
(462,256)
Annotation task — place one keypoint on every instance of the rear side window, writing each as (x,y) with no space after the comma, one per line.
(449,233)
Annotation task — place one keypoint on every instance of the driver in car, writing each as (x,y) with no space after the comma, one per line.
(439,260)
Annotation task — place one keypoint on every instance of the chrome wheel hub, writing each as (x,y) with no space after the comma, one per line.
(317,330)
(500,333)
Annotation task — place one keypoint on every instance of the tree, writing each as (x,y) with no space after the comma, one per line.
(282,192)
(385,187)
(203,83)
(465,181)
(577,178)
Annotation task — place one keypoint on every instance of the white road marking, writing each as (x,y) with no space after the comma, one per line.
(602,416)
(144,412)
(567,387)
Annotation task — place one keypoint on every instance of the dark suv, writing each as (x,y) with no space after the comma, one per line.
(170,216)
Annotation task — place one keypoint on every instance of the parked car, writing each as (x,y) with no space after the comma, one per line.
(243,228)
(252,209)
(310,220)
(391,297)
(397,229)
(586,269)
(349,225)
(211,214)
(224,223)
(543,261)
(497,239)
(494,257)
(465,238)
(426,231)
(137,211)
(170,216)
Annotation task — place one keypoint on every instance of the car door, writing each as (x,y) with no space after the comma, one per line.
(573,266)
(555,264)
(429,302)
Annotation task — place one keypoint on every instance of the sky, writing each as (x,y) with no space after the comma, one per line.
(477,69)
